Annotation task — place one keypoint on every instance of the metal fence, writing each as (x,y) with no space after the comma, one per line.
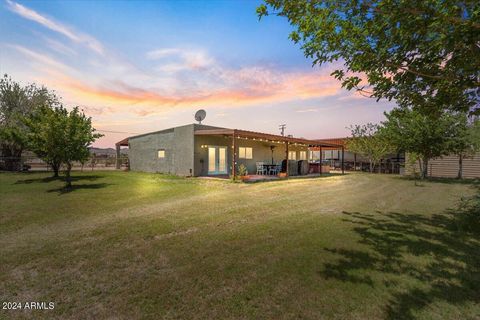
(32,163)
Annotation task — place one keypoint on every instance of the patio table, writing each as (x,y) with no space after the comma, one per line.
(268,166)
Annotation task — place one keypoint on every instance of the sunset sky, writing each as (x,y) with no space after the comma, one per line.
(136,67)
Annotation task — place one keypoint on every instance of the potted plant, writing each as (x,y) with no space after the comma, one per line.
(242,172)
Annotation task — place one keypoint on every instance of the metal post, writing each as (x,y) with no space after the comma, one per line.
(320,161)
(117,165)
(234,152)
(343,160)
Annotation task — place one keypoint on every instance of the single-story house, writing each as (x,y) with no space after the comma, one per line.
(202,150)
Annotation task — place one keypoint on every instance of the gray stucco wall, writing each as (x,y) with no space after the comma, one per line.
(178,145)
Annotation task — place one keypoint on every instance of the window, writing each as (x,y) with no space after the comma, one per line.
(303,155)
(292,155)
(161,153)
(245,153)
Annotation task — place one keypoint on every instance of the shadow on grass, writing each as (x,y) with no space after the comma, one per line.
(441,259)
(474,182)
(50,179)
(63,190)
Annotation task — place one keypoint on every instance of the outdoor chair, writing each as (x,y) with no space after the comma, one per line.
(275,170)
(261,169)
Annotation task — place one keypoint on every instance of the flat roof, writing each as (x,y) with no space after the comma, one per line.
(328,143)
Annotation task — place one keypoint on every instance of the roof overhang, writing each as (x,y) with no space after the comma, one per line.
(122,143)
(264,137)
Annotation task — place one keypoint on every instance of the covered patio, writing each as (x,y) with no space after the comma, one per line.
(285,148)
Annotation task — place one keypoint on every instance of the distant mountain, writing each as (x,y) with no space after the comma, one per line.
(106,151)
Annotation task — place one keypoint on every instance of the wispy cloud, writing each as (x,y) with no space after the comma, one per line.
(175,59)
(68,32)
(306,110)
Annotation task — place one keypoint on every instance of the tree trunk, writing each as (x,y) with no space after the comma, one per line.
(371,166)
(68,177)
(425,168)
(56,168)
(460,166)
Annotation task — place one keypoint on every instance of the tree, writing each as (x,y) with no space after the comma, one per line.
(44,136)
(367,141)
(466,142)
(61,136)
(16,103)
(427,136)
(420,53)
(77,135)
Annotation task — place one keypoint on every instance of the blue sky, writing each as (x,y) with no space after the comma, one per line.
(143,66)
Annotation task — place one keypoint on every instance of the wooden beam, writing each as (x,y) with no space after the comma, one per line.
(117,164)
(234,156)
(286,158)
(320,162)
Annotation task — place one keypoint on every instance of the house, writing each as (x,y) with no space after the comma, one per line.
(201,150)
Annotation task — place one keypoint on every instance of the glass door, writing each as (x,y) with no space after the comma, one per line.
(217,160)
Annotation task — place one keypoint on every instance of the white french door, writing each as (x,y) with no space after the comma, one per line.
(217,160)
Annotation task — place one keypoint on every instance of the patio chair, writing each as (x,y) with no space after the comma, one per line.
(274,170)
(261,169)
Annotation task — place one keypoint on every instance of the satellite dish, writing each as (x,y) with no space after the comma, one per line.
(200,115)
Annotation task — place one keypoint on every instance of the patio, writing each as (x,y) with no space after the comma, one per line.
(264,156)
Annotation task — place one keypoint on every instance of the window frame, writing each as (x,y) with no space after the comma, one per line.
(164,154)
(244,154)
(294,155)
(300,155)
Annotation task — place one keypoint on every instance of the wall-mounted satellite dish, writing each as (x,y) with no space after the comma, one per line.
(200,115)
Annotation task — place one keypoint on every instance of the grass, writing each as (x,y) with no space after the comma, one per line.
(132,245)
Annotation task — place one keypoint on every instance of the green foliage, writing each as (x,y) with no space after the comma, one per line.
(61,136)
(242,170)
(367,141)
(44,136)
(412,159)
(467,215)
(426,135)
(421,53)
(16,103)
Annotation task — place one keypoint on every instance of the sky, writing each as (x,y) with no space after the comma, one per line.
(141,66)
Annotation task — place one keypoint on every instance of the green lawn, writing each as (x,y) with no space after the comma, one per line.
(131,245)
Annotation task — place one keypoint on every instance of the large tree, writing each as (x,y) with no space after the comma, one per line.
(77,135)
(427,136)
(16,103)
(466,142)
(61,136)
(420,53)
(44,136)
(367,141)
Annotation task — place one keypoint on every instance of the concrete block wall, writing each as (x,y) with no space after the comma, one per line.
(178,145)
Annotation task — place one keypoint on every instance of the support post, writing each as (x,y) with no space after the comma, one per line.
(320,170)
(234,156)
(286,158)
(117,163)
(343,160)
(354,162)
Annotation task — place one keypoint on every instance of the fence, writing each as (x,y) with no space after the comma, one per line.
(448,167)
(32,163)
(384,166)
